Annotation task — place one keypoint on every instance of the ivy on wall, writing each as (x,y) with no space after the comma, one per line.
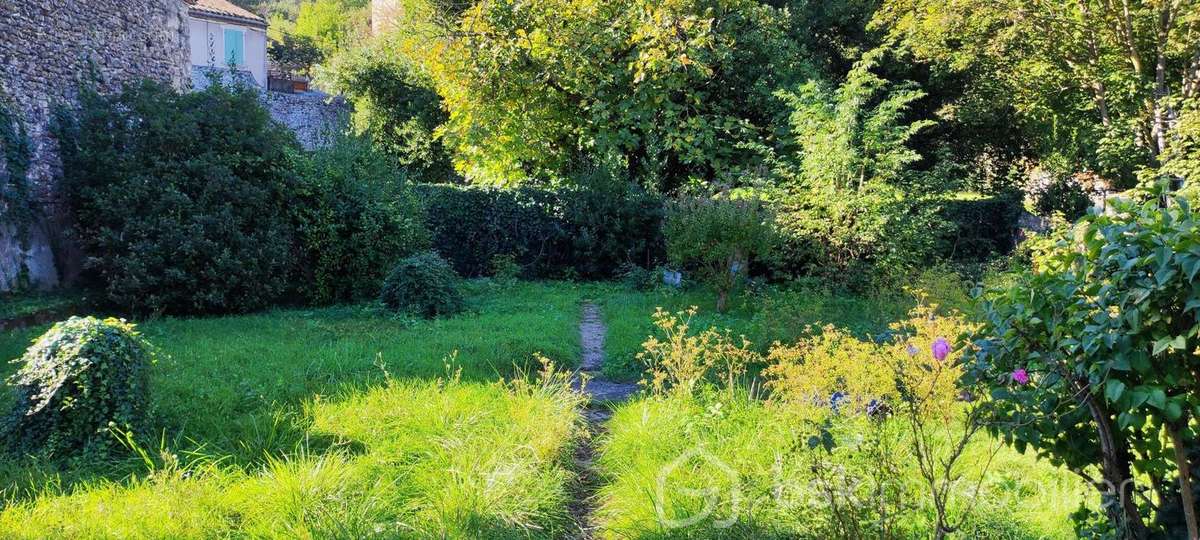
(15,200)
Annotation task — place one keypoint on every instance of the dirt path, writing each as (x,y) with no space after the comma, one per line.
(601,392)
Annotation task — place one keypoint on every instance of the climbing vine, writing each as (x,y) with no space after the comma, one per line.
(15,201)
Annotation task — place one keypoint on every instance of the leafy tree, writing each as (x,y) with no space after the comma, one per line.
(395,105)
(1094,81)
(717,238)
(331,24)
(846,198)
(1090,359)
(296,54)
(669,90)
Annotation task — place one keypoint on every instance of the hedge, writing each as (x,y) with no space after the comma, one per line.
(551,233)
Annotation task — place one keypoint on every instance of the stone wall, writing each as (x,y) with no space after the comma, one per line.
(48,48)
(315,117)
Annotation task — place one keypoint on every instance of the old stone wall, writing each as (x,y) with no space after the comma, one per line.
(315,117)
(48,48)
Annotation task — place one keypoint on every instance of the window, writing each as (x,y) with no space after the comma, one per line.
(235,47)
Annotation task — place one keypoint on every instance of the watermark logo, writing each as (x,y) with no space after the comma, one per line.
(697,459)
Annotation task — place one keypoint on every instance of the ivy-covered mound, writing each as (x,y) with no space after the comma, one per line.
(424,285)
(81,385)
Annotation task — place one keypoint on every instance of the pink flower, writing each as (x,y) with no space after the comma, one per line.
(912,350)
(941,349)
(1020,376)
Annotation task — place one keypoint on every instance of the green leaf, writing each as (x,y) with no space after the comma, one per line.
(1113,390)
(1157,399)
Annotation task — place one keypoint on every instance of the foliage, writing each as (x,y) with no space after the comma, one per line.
(294,53)
(81,388)
(354,217)
(424,285)
(717,238)
(1091,82)
(1060,195)
(331,24)
(16,204)
(1089,357)
(845,208)
(979,228)
(670,91)
(180,198)
(683,362)
(395,105)
(585,231)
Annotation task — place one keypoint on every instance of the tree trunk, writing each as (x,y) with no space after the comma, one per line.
(1115,467)
(1183,464)
(722,300)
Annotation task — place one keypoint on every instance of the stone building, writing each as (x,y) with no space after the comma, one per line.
(48,48)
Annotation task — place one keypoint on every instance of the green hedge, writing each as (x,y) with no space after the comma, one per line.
(981,228)
(585,232)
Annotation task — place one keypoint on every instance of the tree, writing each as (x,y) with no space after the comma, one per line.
(844,192)
(717,238)
(671,91)
(1097,81)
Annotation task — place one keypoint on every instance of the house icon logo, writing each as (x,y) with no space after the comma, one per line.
(671,484)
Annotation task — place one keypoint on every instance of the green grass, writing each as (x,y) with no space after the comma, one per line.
(775,481)
(17,306)
(347,422)
(268,411)
(403,459)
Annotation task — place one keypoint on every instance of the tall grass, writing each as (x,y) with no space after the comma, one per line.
(702,449)
(405,459)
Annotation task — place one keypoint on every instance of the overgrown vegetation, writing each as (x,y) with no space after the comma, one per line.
(81,391)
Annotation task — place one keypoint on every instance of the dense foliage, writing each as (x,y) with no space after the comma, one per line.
(354,217)
(717,239)
(180,199)
(394,105)
(81,388)
(1090,359)
(585,231)
(424,285)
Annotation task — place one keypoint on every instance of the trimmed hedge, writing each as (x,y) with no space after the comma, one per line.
(586,232)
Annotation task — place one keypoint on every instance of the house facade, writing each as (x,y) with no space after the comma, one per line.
(222,35)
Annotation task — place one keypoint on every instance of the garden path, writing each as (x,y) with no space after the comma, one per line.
(601,392)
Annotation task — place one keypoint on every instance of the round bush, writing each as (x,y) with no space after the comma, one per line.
(81,384)
(424,285)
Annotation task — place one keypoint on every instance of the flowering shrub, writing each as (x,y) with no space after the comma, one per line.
(681,360)
(1090,358)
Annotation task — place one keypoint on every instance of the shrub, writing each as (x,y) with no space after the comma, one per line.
(589,231)
(180,198)
(717,238)
(424,285)
(354,216)
(81,385)
(1090,358)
